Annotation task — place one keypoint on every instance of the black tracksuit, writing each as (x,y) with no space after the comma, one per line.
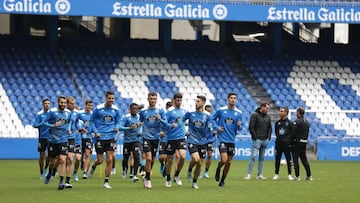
(283,130)
(300,133)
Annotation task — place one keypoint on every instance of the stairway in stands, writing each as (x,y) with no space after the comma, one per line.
(249,81)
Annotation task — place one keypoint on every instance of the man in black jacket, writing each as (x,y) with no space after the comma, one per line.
(300,133)
(260,130)
(283,129)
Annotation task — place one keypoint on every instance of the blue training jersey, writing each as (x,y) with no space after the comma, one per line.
(130,135)
(175,115)
(83,121)
(43,130)
(151,125)
(72,126)
(228,119)
(210,134)
(199,126)
(104,120)
(57,134)
(163,129)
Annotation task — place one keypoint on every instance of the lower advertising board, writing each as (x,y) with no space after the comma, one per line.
(329,149)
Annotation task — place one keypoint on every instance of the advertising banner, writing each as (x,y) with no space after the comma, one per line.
(334,149)
(231,11)
(28,149)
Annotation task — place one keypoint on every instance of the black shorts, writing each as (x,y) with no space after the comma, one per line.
(228,148)
(162,148)
(134,147)
(105,145)
(42,145)
(210,146)
(150,146)
(58,149)
(77,149)
(71,145)
(173,145)
(201,149)
(86,144)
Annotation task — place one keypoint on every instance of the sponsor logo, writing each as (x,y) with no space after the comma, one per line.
(186,11)
(246,152)
(287,14)
(339,15)
(350,151)
(62,7)
(322,14)
(27,6)
(108,118)
(220,11)
(192,11)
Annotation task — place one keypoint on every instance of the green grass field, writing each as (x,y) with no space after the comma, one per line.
(333,182)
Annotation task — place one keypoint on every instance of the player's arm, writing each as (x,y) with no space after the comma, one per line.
(117,121)
(252,126)
(37,122)
(71,124)
(239,123)
(141,119)
(92,123)
(270,129)
(215,120)
(294,130)
(162,118)
(46,122)
(80,124)
(140,131)
(77,123)
(122,125)
(277,129)
(169,124)
(210,125)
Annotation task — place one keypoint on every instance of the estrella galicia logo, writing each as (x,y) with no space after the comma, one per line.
(62,6)
(220,11)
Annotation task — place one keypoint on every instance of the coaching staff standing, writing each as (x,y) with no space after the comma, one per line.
(282,145)
(300,133)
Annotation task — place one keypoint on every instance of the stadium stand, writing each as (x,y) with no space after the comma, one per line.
(317,81)
(89,69)
(325,84)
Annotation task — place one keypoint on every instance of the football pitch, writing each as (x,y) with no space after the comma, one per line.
(333,182)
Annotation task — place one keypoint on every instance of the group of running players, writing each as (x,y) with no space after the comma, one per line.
(67,133)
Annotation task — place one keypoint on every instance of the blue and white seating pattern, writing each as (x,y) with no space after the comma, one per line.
(88,70)
(310,82)
(325,87)
(329,91)
(132,79)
